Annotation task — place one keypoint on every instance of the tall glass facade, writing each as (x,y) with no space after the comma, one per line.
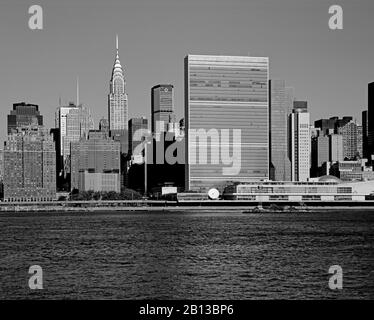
(281,100)
(226,92)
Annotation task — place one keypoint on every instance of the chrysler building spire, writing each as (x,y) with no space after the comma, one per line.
(117,99)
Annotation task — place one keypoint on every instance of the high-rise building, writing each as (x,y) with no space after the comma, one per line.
(280,107)
(1,165)
(332,124)
(138,128)
(95,163)
(1,173)
(365,145)
(359,141)
(117,98)
(349,133)
(300,142)
(74,122)
(226,113)
(29,165)
(370,121)
(336,148)
(162,107)
(24,114)
(320,153)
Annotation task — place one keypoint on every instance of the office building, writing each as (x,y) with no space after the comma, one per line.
(226,95)
(300,142)
(281,103)
(352,170)
(365,133)
(336,148)
(349,133)
(332,124)
(29,165)
(24,114)
(370,120)
(320,154)
(117,98)
(1,165)
(359,152)
(138,128)
(162,107)
(95,157)
(74,122)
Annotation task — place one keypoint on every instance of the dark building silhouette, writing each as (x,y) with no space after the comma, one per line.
(370,117)
(332,123)
(365,132)
(24,114)
(136,124)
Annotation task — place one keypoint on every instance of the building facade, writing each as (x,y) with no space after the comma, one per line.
(24,114)
(162,107)
(326,189)
(73,122)
(320,154)
(226,94)
(95,155)
(280,106)
(29,165)
(365,133)
(349,133)
(370,120)
(300,142)
(138,128)
(332,124)
(336,148)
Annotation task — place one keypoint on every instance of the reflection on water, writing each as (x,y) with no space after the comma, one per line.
(187,255)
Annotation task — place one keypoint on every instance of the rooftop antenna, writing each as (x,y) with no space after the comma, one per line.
(77,91)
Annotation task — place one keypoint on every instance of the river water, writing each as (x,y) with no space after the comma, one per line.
(187,255)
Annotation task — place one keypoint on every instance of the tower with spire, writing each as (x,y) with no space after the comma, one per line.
(117,98)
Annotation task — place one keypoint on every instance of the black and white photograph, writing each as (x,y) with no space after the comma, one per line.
(201,151)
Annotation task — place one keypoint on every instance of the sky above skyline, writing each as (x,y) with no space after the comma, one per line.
(330,69)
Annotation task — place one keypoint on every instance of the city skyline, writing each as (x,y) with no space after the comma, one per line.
(149,62)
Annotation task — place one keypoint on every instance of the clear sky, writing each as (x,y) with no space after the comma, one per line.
(329,69)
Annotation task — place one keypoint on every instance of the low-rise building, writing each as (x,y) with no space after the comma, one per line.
(327,188)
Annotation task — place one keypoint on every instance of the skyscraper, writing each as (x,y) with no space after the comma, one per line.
(349,133)
(280,107)
(162,107)
(73,122)
(359,141)
(95,164)
(1,165)
(136,124)
(117,98)
(24,114)
(332,124)
(30,165)
(336,148)
(370,119)
(226,95)
(365,145)
(300,142)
